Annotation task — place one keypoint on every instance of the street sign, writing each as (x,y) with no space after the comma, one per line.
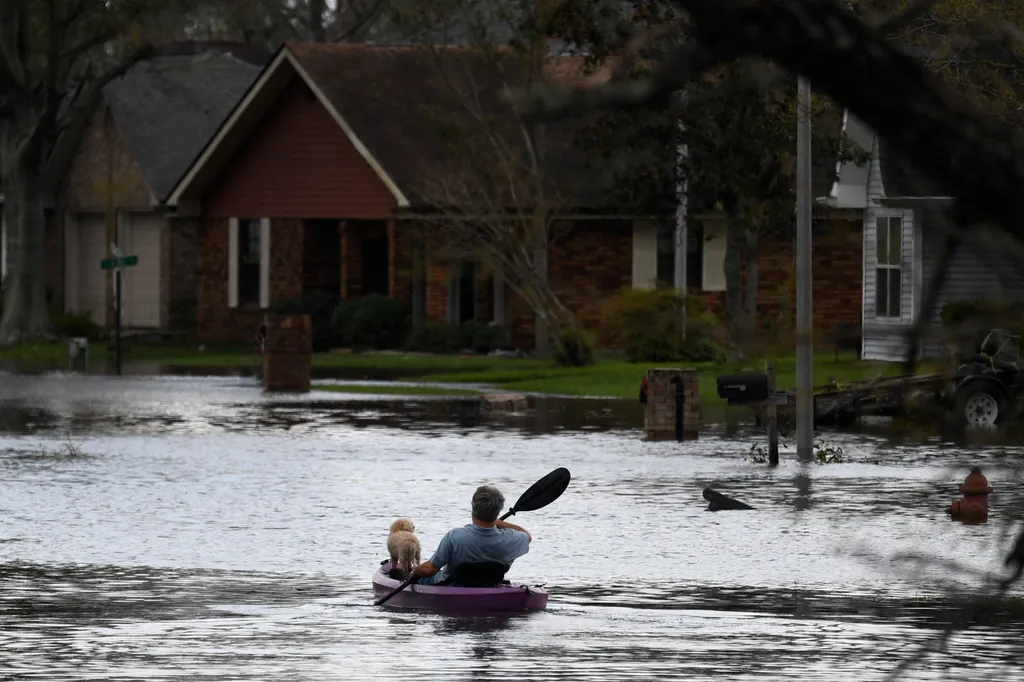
(123,262)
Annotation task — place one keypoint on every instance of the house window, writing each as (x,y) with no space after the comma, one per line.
(888,268)
(249,262)
(667,255)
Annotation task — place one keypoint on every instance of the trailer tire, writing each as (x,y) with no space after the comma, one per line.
(980,404)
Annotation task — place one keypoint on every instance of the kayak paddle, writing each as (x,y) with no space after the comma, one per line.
(540,494)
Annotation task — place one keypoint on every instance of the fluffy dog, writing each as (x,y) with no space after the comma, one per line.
(403,545)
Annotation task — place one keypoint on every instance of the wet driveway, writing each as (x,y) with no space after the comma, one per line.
(188,528)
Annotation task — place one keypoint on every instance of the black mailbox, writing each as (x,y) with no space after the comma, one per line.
(743,388)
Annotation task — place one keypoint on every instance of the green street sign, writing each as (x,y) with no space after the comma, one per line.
(111,263)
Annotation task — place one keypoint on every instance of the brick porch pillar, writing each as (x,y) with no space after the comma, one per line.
(660,410)
(287,364)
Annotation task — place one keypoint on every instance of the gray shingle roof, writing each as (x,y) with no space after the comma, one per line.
(167,108)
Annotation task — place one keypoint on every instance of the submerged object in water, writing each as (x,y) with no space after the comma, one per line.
(719,502)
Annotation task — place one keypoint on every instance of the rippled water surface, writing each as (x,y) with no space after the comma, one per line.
(198,529)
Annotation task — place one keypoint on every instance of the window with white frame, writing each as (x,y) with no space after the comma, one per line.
(888,266)
(249,251)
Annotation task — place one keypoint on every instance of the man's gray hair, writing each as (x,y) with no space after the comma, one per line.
(487,503)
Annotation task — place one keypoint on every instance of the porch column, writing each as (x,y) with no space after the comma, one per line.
(419,277)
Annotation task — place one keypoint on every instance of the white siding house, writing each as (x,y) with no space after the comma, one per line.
(902,243)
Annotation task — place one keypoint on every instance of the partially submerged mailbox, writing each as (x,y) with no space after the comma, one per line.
(743,388)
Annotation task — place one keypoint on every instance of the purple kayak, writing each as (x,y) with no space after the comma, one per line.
(461,599)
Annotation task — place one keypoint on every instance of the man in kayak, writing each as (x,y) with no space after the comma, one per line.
(485,540)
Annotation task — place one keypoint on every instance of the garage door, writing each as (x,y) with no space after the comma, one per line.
(142,282)
(91,296)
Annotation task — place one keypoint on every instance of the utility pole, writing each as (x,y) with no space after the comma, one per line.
(804,297)
(681,240)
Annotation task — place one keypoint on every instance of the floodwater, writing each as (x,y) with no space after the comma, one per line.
(195,528)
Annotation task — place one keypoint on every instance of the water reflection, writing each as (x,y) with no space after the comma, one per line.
(203,530)
(802,502)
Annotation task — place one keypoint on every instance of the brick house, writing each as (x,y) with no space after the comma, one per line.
(318,181)
(111,174)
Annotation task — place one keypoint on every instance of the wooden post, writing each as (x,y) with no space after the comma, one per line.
(773,417)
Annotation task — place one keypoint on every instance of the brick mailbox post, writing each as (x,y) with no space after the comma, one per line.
(664,388)
(289,355)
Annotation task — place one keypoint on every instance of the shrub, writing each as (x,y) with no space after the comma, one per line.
(578,348)
(443,337)
(649,320)
(319,305)
(373,321)
(433,337)
(479,337)
(69,325)
(959,312)
(971,320)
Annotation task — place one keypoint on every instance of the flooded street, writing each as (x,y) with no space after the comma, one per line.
(195,528)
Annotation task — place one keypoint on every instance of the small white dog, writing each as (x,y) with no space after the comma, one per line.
(403,545)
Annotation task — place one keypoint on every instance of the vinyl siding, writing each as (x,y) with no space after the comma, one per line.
(976,272)
(884,337)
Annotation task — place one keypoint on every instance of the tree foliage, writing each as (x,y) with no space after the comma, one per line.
(268,23)
(738,124)
(974,46)
(55,58)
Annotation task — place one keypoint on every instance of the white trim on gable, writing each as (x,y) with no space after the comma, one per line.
(284,56)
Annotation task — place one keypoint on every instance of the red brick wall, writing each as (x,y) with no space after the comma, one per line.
(588,267)
(836,269)
(299,163)
(215,321)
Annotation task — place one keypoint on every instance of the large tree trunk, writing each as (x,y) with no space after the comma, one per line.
(25,315)
(751,253)
(740,296)
(316,20)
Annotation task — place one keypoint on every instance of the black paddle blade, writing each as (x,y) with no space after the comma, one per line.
(543,492)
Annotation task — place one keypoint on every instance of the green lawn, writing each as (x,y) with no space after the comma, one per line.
(611,377)
(622,379)
(398,390)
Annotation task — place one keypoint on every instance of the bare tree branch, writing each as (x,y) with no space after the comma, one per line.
(91,90)
(361,20)
(14,74)
(904,18)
